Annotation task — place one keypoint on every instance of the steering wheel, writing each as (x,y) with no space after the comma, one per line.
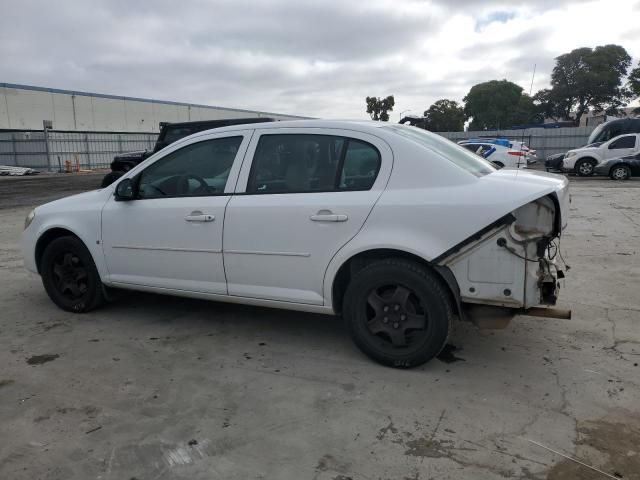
(183,184)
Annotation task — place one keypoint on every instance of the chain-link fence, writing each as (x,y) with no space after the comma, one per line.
(52,149)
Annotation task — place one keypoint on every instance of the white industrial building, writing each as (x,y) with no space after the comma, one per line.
(25,107)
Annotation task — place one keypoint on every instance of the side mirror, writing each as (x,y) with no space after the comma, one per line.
(125,190)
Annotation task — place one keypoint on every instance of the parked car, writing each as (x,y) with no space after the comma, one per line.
(169,133)
(583,161)
(614,128)
(553,163)
(497,153)
(620,168)
(393,227)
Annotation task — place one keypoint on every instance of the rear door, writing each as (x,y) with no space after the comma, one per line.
(302,194)
(622,146)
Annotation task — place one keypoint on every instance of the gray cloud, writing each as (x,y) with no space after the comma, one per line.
(301,57)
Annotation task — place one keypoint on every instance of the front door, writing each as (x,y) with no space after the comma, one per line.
(305,194)
(170,236)
(621,147)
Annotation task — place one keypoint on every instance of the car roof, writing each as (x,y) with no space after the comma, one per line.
(360,125)
(217,123)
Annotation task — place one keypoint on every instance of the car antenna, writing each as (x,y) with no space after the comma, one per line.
(533,75)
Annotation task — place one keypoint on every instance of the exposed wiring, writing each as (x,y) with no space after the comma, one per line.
(513,252)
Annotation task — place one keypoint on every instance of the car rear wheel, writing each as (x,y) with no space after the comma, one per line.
(70,277)
(620,172)
(585,168)
(398,312)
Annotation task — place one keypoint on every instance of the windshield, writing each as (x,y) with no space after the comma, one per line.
(596,134)
(453,152)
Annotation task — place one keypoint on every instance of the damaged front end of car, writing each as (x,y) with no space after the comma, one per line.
(511,266)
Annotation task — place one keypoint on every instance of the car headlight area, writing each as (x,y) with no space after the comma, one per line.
(29,219)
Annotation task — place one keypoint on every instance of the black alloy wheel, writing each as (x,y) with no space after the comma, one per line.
(398,312)
(70,277)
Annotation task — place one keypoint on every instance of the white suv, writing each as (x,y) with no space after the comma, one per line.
(583,161)
(397,229)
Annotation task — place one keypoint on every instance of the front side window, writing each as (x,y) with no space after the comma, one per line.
(624,142)
(298,163)
(198,169)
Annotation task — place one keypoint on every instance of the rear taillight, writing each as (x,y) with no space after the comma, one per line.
(518,154)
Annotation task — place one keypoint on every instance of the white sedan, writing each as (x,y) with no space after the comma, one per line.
(397,229)
(515,156)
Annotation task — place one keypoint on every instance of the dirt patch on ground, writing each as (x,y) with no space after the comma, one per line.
(611,444)
(40,359)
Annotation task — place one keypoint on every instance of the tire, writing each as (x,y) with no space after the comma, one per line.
(585,167)
(70,277)
(110,177)
(387,336)
(499,165)
(620,172)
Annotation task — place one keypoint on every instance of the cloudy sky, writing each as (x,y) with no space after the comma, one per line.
(318,58)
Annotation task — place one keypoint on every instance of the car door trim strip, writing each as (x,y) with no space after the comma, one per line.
(168,249)
(256,252)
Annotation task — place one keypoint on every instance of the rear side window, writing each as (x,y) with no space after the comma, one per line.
(453,152)
(624,142)
(298,163)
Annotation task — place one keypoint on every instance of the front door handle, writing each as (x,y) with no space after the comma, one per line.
(199,217)
(328,217)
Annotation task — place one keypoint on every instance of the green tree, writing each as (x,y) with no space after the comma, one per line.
(493,105)
(634,81)
(526,111)
(379,108)
(586,78)
(445,116)
(634,84)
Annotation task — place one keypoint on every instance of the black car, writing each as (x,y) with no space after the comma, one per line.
(553,163)
(169,133)
(621,168)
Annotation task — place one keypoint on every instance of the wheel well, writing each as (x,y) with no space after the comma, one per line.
(621,164)
(46,238)
(362,259)
(585,159)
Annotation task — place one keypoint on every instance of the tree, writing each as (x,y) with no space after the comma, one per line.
(445,116)
(634,81)
(550,104)
(586,78)
(379,108)
(634,84)
(526,112)
(493,105)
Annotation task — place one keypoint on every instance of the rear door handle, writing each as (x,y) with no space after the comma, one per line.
(328,217)
(199,217)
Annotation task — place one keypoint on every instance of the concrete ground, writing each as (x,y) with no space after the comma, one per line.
(154,387)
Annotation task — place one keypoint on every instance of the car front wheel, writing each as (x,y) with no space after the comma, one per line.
(70,277)
(585,168)
(398,312)
(620,172)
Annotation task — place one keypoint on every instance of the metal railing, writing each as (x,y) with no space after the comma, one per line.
(51,149)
